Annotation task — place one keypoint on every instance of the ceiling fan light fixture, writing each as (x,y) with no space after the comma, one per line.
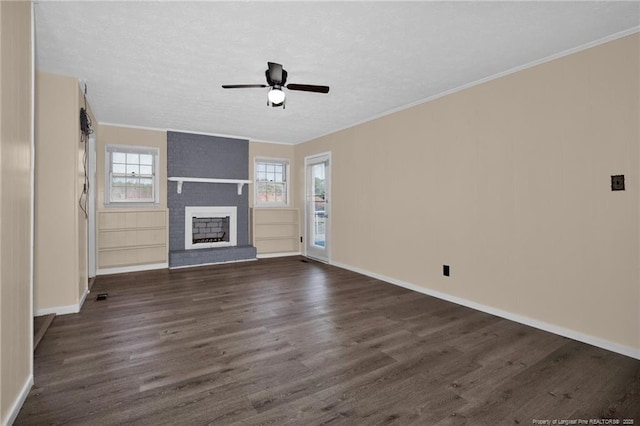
(276,96)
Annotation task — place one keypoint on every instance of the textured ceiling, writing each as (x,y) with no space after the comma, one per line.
(161,64)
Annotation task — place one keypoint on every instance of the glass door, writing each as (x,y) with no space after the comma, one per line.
(318,225)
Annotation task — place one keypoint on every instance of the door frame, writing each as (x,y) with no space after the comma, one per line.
(91,208)
(311,159)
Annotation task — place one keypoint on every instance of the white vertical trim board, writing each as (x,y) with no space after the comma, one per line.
(552,328)
(83,298)
(32,194)
(91,208)
(17,404)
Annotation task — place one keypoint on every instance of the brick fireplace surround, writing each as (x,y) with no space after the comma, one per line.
(202,156)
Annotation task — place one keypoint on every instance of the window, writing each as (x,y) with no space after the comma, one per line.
(271,182)
(131,174)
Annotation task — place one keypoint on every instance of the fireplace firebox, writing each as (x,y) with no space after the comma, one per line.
(210,227)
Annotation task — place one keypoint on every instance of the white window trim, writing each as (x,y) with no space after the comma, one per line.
(138,150)
(287,164)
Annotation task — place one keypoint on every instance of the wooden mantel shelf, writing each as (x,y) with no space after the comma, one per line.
(181,180)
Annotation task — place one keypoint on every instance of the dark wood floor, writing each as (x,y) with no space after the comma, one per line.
(285,341)
(40,326)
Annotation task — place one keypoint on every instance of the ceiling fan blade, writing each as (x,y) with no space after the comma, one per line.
(275,72)
(308,88)
(243,86)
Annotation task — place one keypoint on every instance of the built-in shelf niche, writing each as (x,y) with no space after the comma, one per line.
(275,231)
(131,237)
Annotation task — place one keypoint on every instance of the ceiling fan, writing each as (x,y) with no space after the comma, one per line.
(277,79)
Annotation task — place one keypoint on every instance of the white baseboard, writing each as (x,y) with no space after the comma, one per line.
(552,328)
(62,310)
(284,254)
(17,404)
(134,268)
(212,263)
(58,310)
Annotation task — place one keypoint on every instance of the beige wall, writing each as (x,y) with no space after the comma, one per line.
(271,150)
(60,225)
(131,237)
(507,182)
(16,123)
(116,135)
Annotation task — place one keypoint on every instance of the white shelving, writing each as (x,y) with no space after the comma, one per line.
(128,237)
(275,231)
(181,180)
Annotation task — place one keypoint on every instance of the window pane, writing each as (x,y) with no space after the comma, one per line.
(279,192)
(270,183)
(133,158)
(262,192)
(269,195)
(118,157)
(132,193)
(143,181)
(146,192)
(146,159)
(117,193)
(132,175)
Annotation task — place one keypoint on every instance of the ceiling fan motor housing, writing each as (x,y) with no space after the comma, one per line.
(273,81)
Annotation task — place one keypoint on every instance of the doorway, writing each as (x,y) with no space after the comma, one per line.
(91,207)
(317,206)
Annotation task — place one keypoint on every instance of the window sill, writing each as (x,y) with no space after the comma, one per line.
(272,206)
(131,205)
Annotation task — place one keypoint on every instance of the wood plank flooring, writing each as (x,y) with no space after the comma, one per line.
(287,341)
(40,326)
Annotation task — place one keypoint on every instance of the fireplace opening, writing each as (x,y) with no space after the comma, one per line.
(210,229)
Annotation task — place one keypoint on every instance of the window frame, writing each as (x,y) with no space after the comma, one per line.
(110,149)
(287,182)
